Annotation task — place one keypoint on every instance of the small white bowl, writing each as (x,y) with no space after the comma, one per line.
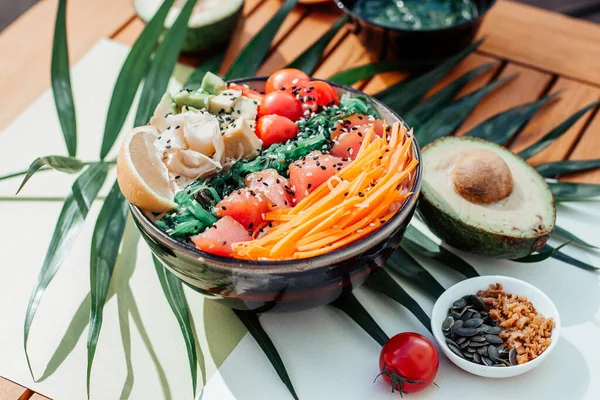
(540,301)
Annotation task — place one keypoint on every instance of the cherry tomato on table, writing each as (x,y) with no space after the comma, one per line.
(275,129)
(409,362)
(281,103)
(286,78)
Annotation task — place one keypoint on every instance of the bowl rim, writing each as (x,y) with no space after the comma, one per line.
(484,370)
(304,264)
(348,11)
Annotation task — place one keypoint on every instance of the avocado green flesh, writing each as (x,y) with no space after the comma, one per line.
(511,228)
(211,24)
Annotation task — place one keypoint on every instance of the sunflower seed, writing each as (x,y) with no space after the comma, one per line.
(447,325)
(486,361)
(458,304)
(477,358)
(494,339)
(473,323)
(456,350)
(493,353)
(512,357)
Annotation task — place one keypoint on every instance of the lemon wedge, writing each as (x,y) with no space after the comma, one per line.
(142,176)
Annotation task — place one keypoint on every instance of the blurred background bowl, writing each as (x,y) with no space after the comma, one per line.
(284,285)
(423,47)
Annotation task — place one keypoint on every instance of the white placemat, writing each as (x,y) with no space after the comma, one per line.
(326,354)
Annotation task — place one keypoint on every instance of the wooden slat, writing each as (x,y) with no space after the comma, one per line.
(38,396)
(26,46)
(251,25)
(11,391)
(348,54)
(309,30)
(576,96)
(542,39)
(587,148)
(528,86)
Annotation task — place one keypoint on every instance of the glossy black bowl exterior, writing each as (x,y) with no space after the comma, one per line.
(418,47)
(283,285)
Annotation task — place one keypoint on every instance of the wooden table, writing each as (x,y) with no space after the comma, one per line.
(550,52)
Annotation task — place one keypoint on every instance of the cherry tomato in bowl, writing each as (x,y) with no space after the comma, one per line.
(275,129)
(408,362)
(281,103)
(324,94)
(285,79)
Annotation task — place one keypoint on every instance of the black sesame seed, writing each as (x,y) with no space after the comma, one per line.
(251,225)
(323,167)
(309,185)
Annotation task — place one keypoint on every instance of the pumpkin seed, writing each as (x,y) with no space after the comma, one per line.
(456,350)
(499,365)
(478,338)
(467,331)
(457,325)
(460,303)
(461,340)
(468,355)
(477,314)
(466,315)
(494,339)
(482,351)
(447,325)
(470,350)
(475,301)
(477,358)
(451,342)
(494,330)
(477,344)
(487,361)
(512,357)
(473,323)
(464,344)
(493,353)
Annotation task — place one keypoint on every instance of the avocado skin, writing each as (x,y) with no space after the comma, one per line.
(212,36)
(476,240)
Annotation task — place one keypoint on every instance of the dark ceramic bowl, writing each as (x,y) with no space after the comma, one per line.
(284,285)
(423,47)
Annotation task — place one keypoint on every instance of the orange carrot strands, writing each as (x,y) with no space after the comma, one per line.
(354,203)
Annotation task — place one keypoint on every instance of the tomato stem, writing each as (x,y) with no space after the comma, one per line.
(397,380)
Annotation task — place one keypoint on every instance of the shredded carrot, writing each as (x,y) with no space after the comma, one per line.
(353,203)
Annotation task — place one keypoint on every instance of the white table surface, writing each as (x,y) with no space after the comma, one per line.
(327,356)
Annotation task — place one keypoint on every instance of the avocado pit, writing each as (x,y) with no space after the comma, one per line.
(482,177)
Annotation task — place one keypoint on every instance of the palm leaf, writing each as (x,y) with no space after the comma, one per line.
(566,167)
(353,75)
(383,282)
(251,322)
(133,70)
(566,235)
(352,308)
(416,241)
(555,133)
(106,241)
(404,265)
(173,290)
(404,95)
(161,68)
(542,255)
(212,64)
(61,80)
(450,118)
(568,259)
(501,127)
(69,224)
(427,108)
(568,191)
(308,60)
(70,165)
(252,55)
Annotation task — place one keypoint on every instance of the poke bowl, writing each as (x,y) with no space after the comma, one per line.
(422,46)
(286,284)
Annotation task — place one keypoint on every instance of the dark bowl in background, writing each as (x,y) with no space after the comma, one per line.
(421,47)
(289,285)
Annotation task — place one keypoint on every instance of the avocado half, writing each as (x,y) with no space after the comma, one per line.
(480,197)
(211,25)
